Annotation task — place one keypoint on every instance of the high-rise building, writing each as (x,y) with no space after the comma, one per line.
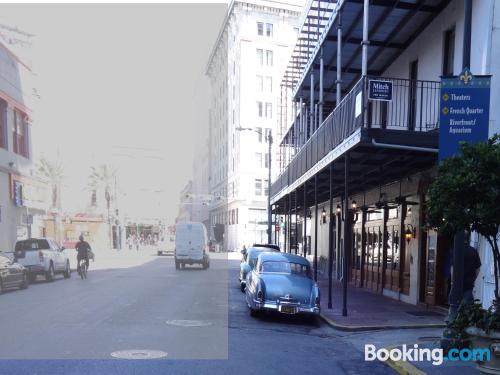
(245,70)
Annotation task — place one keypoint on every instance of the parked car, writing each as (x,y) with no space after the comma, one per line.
(167,246)
(267,246)
(42,256)
(191,245)
(12,275)
(283,283)
(248,262)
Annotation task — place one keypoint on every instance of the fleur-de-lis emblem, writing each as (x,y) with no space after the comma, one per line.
(466,76)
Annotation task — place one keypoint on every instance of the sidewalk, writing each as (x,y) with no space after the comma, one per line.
(367,310)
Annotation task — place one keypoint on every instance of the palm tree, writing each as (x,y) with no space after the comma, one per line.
(52,171)
(103,177)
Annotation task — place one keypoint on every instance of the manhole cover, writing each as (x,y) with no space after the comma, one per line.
(188,323)
(139,354)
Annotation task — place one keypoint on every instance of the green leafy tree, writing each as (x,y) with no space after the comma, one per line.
(52,171)
(102,177)
(466,195)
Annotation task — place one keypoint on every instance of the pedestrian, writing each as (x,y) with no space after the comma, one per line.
(472,264)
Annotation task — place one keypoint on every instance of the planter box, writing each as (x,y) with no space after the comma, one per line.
(480,340)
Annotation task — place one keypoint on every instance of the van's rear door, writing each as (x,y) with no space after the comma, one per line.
(189,241)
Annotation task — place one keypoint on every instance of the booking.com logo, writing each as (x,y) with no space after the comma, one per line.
(415,354)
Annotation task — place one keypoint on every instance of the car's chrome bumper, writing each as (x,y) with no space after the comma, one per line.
(299,309)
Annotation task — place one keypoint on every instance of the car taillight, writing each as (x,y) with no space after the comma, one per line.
(260,296)
(40,256)
(317,302)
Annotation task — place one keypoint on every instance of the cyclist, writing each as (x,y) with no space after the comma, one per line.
(83,249)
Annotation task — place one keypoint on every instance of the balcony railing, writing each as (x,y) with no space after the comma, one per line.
(414,107)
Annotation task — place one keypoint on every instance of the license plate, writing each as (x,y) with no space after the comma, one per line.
(287,309)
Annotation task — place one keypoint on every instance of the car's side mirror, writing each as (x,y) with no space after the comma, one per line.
(63,248)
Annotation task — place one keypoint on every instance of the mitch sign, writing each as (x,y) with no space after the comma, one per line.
(379,90)
(464,111)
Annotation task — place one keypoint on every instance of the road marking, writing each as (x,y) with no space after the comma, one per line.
(139,354)
(188,323)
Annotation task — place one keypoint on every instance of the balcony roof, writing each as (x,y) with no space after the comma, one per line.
(393,26)
(370,166)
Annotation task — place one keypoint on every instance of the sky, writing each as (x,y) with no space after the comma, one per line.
(118,84)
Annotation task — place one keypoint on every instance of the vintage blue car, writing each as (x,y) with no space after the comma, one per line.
(282,282)
(250,259)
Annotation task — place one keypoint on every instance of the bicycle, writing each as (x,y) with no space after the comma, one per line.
(83,268)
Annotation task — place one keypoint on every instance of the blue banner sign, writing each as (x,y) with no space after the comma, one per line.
(18,194)
(379,90)
(464,111)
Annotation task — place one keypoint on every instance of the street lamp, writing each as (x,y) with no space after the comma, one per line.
(269,140)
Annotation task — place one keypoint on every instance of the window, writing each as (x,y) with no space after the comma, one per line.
(3,124)
(266,160)
(260,56)
(260,109)
(260,28)
(269,30)
(269,110)
(269,58)
(259,134)
(269,84)
(258,159)
(260,83)
(258,187)
(449,52)
(266,187)
(19,134)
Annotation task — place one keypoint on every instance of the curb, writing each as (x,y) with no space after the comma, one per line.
(403,367)
(353,328)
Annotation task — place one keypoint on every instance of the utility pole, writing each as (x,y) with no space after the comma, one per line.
(269,208)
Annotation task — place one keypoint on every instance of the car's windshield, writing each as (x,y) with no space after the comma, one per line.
(252,260)
(285,267)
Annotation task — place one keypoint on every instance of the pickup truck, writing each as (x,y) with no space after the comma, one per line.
(42,256)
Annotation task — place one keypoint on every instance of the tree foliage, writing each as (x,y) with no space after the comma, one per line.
(466,194)
(102,177)
(53,172)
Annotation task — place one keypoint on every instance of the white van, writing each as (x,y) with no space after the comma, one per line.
(191,245)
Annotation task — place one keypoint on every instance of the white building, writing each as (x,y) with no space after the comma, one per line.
(245,70)
(23,198)
(373,158)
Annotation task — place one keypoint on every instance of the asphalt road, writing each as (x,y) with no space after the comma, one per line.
(197,320)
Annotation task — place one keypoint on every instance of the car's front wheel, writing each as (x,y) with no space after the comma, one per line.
(50,275)
(25,283)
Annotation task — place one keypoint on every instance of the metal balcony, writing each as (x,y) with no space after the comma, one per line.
(410,119)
